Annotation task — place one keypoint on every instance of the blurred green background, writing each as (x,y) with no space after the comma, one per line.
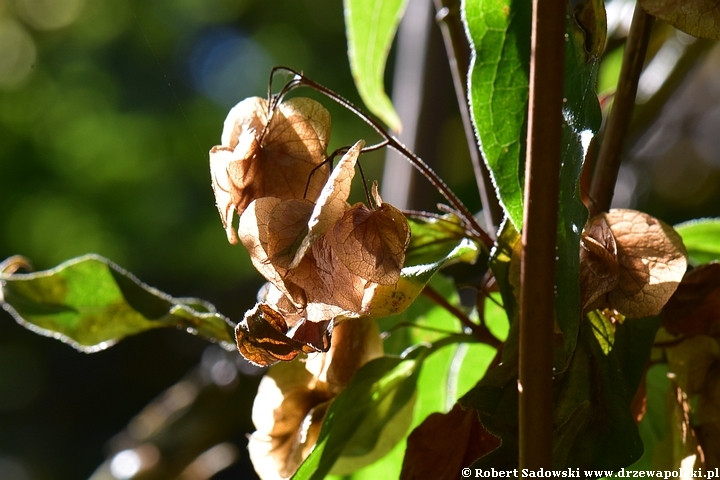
(107,111)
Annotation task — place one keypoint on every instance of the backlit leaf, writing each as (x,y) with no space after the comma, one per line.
(433,238)
(329,208)
(371,27)
(91,304)
(332,203)
(380,391)
(604,323)
(652,262)
(701,238)
(498,92)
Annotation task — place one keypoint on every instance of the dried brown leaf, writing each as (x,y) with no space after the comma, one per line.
(262,337)
(599,267)
(320,285)
(332,202)
(254,235)
(329,281)
(288,412)
(293,397)
(446,443)
(650,256)
(652,261)
(694,308)
(700,18)
(277,160)
(371,243)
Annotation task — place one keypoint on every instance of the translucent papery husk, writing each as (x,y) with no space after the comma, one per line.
(630,262)
(321,284)
(293,397)
(282,159)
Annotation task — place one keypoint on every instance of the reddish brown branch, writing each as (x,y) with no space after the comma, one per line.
(610,155)
(537,275)
(481,331)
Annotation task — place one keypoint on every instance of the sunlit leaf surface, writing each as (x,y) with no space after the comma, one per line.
(371,27)
(498,90)
(91,304)
(701,238)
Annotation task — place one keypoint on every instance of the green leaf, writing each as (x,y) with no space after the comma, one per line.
(371,27)
(701,238)
(91,304)
(499,34)
(500,258)
(582,118)
(440,381)
(604,324)
(379,391)
(597,429)
(654,425)
(435,238)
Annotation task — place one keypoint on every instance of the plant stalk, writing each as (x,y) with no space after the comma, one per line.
(480,330)
(537,274)
(458,53)
(610,154)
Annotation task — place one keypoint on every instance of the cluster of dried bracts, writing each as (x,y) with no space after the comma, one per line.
(325,262)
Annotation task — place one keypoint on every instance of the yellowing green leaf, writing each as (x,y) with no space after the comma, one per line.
(91,304)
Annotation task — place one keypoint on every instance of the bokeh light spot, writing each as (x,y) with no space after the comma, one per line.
(227,67)
(17,53)
(12,469)
(50,14)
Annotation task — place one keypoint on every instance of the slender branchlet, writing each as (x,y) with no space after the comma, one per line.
(471,224)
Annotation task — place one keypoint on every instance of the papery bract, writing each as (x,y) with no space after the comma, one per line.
(282,158)
(651,261)
(293,397)
(372,243)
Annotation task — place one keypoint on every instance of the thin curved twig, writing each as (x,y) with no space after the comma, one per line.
(474,229)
